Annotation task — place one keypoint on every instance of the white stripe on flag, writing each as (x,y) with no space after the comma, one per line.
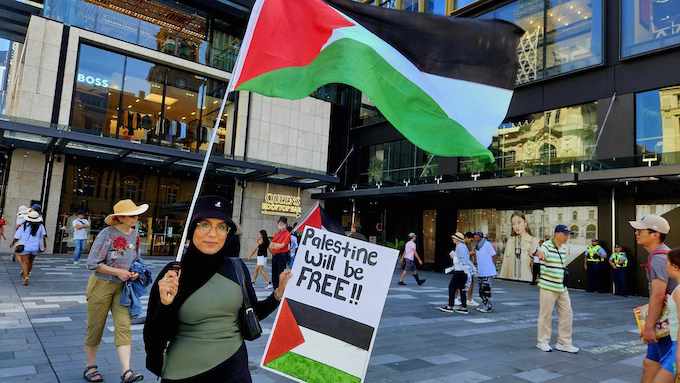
(332,352)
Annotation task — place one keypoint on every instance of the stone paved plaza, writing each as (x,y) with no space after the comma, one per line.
(42,328)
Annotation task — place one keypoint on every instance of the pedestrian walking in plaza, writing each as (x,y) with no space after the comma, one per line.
(596,266)
(3,223)
(193,331)
(261,250)
(472,271)
(668,374)
(114,250)
(81,230)
(22,212)
(459,275)
(536,265)
(486,271)
(280,249)
(619,264)
(293,246)
(409,258)
(31,236)
(553,292)
(650,233)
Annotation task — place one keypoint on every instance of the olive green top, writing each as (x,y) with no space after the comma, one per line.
(207,332)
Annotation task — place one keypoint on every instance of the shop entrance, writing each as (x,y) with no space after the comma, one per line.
(95,186)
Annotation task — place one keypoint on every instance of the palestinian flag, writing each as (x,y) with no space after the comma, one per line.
(313,345)
(445,83)
(318,218)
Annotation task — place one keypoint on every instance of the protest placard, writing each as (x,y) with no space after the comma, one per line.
(327,322)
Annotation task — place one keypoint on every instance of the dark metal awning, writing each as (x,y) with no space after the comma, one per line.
(14,18)
(34,135)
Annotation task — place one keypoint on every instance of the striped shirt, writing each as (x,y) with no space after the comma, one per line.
(552,268)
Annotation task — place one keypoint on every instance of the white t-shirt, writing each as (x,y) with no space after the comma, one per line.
(461,258)
(485,265)
(81,233)
(410,250)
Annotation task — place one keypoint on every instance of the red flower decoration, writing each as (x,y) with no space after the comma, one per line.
(119,243)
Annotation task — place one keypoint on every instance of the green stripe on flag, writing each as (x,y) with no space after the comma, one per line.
(410,109)
(309,370)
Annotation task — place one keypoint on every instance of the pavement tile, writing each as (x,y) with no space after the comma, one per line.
(10,372)
(444,359)
(538,375)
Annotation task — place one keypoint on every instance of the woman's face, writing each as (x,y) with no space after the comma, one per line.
(259,236)
(129,221)
(519,225)
(210,235)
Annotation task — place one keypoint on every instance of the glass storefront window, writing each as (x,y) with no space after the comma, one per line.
(96,100)
(141,101)
(157,105)
(569,39)
(95,185)
(5,56)
(394,162)
(410,5)
(463,3)
(657,124)
(647,25)
(437,7)
(171,28)
(537,143)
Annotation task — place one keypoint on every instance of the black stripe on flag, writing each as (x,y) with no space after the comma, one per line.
(481,51)
(336,326)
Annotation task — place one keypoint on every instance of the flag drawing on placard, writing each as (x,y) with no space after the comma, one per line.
(303,330)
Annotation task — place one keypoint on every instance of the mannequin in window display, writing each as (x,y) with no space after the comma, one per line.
(519,250)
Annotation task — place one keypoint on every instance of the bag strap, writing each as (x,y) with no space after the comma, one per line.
(238,270)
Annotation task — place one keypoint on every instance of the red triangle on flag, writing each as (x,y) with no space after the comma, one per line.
(312,219)
(286,334)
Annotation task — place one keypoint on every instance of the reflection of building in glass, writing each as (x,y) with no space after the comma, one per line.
(649,24)
(544,139)
(658,121)
(661,209)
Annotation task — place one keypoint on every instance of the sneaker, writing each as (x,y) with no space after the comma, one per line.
(269,287)
(570,349)
(484,309)
(473,303)
(446,309)
(421,282)
(462,310)
(402,283)
(544,347)
(457,302)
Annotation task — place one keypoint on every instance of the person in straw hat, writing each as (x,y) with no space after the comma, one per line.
(113,251)
(31,238)
(459,275)
(21,218)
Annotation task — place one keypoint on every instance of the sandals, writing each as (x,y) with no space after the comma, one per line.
(130,376)
(94,375)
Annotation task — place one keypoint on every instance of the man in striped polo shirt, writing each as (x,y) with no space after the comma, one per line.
(553,291)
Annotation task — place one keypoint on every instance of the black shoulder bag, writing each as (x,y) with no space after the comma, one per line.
(248,322)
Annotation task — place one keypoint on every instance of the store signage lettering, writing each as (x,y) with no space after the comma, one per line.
(281,204)
(91,80)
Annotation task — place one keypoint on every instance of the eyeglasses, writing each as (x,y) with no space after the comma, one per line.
(204,227)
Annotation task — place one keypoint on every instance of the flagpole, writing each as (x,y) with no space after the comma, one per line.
(245,45)
(201,176)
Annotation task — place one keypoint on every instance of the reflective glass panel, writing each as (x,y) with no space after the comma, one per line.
(182,110)
(142,100)
(647,25)
(574,35)
(410,5)
(657,124)
(437,7)
(99,80)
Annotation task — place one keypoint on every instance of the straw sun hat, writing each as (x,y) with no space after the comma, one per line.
(125,208)
(33,216)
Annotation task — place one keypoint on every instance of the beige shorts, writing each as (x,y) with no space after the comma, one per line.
(102,297)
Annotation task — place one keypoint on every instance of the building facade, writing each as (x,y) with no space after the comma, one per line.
(590,140)
(112,99)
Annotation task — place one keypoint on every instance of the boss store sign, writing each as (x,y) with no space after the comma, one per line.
(92,80)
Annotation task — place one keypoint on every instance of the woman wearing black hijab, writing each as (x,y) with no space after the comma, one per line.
(191,332)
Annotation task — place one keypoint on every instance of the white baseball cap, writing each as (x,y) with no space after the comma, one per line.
(652,222)
(411,235)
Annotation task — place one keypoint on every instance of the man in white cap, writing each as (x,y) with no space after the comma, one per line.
(410,257)
(650,233)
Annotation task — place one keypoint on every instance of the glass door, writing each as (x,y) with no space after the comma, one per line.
(429,235)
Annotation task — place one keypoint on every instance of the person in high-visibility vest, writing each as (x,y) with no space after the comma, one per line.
(619,263)
(595,266)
